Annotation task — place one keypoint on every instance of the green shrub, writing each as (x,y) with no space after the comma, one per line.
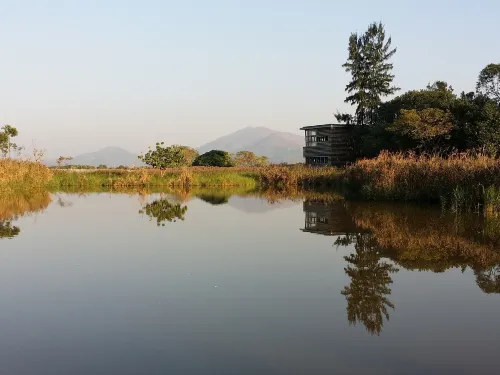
(214,158)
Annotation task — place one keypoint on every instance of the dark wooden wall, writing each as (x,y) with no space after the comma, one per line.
(338,148)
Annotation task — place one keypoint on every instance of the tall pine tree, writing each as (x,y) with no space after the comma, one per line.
(369,65)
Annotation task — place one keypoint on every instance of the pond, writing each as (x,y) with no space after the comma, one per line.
(211,282)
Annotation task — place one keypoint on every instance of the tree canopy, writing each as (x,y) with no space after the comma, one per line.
(371,78)
(164,157)
(488,83)
(214,158)
(249,159)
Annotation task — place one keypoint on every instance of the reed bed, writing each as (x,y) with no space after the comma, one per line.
(175,177)
(278,176)
(275,176)
(425,239)
(16,175)
(456,180)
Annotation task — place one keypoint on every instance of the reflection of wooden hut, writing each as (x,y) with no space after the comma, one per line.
(327,218)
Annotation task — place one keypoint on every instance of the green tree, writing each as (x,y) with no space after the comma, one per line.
(425,129)
(164,157)
(437,98)
(249,159)
(214,158)
(488,83)
(477,123)
(368,63)
(6,144)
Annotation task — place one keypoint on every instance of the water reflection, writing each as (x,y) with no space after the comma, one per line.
(488,279)
(15,206)
(385,237)
(164,211)
(214,199)
(367,294)
(8,230)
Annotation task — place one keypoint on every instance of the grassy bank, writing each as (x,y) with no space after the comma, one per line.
(457,181)
(271,176)
(182,177)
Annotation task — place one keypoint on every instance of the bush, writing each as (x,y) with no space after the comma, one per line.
(214,158)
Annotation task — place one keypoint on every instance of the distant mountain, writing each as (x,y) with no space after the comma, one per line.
(278,146)
(109,156)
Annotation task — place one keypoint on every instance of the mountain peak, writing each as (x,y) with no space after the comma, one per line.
(278,146)
(111,156)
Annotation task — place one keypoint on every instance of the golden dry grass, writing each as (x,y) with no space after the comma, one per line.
(424,238)
(13,206)
(421,178)
(23,173)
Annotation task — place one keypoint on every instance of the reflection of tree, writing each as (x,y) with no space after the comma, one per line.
(214,199)
(7,230)
(162,210)
(367,293)
(488,279)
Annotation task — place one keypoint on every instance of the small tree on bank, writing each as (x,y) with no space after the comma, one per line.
(6,145)
(164,157)
(62,159)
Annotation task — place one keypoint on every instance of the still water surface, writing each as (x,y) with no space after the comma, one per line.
(131,284)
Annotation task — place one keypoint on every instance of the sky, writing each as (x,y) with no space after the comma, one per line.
(76,76)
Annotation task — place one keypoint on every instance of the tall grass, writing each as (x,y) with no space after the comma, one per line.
(459,180)
(272,176)
(175,177)
(277,176)
(22,177)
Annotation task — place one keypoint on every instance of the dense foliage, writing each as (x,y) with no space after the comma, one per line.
(431,120)
(164,157)
(169,157)
(214,158)
(368,63)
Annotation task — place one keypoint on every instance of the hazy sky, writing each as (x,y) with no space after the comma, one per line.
(79,75)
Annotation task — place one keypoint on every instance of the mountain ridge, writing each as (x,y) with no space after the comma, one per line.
(278,146)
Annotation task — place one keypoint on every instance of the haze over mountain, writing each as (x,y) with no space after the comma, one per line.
(109,156)
(278,146)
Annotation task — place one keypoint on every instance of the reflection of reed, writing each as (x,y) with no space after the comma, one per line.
(412,237)
(13,206)
(425,239)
